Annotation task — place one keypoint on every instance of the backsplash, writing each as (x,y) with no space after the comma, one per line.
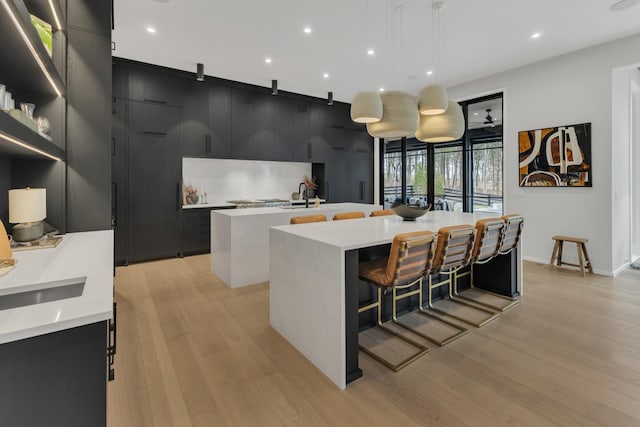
(225,179)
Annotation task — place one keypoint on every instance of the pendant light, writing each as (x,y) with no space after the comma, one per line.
(434,98)
(366,107)
(445,127)
(399,116)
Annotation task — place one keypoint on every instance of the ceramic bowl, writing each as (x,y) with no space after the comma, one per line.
(409,212)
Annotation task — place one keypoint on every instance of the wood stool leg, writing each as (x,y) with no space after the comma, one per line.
(554,253)
(559,263)
(586,256)
(580,261)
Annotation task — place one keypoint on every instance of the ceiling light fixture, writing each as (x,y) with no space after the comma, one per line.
(267,60)
(434,99)
(535,35)
(622,5)
(400,116)
(274,87)
(330,98)
(325,75)
(151,30)
(429,73)
(307,30)
(366,107)
(371,52)
(199,72)
(381,89)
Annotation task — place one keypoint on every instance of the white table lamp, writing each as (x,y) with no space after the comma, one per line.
(27,209)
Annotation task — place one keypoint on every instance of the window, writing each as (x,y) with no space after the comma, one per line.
(465,175)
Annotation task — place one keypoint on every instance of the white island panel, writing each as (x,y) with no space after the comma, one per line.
(240,238)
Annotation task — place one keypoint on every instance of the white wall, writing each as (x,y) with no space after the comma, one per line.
(226,179)
(635,171)
(572,88)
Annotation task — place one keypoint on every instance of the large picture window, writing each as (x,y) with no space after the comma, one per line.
(464,175)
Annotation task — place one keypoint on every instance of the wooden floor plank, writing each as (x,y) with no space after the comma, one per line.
(192,352)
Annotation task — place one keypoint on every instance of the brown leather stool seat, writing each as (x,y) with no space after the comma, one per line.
(348,215)
(455,249)
(382,212)
(307,218)
(489,236)
(410,256)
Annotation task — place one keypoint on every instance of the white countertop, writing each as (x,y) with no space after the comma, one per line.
(358,233)
(232,206)
(299,210)
(89,255)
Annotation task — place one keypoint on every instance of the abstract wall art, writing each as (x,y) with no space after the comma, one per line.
(556,157)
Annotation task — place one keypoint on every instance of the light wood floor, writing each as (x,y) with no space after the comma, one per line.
(192,352)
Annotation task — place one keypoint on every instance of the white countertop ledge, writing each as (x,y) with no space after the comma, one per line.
(80,255)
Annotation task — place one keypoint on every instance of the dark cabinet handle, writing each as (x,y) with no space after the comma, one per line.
(178,198)
(114,207)
(207,144)
(361,190)
(155,101)
(111,347)
(328,192)
(309,150)
(147,132)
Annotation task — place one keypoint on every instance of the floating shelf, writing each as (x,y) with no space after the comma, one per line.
(29,143)
(28,69)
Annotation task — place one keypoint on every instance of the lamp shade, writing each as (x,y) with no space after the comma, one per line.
(433,100)
(399,116)
(27,205)
(445,127)
(366,107)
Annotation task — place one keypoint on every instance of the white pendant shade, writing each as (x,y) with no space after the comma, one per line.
(445,127)
(400,116)
(366,107)
(433,100)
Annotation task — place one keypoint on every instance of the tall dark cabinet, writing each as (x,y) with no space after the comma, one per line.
(160,116)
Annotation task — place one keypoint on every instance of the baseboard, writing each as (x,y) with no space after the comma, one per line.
(595,271)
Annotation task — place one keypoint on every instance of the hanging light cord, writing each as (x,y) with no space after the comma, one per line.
(437,5)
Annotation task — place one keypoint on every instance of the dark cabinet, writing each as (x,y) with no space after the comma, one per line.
(154,197)
(153,87)
(242,124)
(196,231)
(119,211)
(154,119)
(206,120)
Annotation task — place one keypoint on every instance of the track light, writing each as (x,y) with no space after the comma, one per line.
(200,72)
(330,98)
(274,87)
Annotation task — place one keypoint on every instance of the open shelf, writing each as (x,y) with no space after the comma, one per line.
(40,148)
(42,9)
(28,68)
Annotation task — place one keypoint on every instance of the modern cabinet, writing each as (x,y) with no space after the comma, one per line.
(196,231)
(119,199)
(153,87)
(206,120)
(154,196)
(154,119)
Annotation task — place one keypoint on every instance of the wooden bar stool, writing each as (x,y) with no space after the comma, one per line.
(411,254)
(304,219)
(583,255)
(382,212)
(348,215)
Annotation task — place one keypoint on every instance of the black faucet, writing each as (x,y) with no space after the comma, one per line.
(306,194)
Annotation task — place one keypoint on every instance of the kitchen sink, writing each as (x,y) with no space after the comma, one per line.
(50,291)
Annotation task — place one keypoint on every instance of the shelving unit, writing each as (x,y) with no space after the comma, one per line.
(30,74)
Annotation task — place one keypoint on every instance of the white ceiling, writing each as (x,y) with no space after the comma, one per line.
(479,37)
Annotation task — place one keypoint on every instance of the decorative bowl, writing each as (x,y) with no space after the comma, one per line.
(409,212)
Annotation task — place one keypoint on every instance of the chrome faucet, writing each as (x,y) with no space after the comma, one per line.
(306,193)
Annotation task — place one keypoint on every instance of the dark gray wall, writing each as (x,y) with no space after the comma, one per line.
(88,115)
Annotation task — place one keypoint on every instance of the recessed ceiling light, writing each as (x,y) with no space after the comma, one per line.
(151,30)
(307,30)
(622,5)
(381,89)
(429,73)
(325,75)
(267,60)
(475,114)
(371,52)
(535,35)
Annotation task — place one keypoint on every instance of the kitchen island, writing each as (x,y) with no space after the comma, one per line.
(314,285)
(55,307)
(240,238)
